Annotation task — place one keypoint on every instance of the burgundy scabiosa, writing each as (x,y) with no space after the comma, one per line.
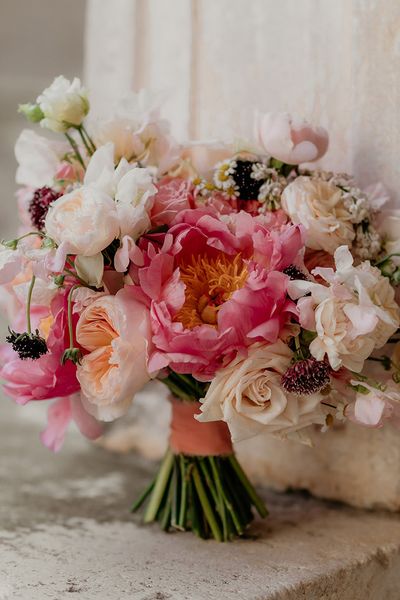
(307,376)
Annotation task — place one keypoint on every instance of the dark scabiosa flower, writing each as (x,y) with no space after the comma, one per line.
(27,345)
(306,377)
(238,178)
(247,186)
(39,205)
(295,273)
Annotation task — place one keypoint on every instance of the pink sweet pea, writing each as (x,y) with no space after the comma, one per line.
(44,378)
(59,415)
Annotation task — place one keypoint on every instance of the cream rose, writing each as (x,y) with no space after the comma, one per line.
(63,104)
(248,395)
(116,332)
(85,220)
(319,207)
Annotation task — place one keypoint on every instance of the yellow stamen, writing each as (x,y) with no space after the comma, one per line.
(209,282)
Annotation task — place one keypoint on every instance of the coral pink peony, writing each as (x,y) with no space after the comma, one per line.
(206,274)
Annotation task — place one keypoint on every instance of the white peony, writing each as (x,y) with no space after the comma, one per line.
(63,104)
(248,395)
(318,206)
(85,220)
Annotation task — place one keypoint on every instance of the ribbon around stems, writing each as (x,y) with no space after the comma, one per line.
(193,438)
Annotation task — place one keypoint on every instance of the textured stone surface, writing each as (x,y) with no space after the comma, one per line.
(65,528)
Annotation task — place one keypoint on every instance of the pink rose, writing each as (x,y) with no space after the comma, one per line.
(291,139)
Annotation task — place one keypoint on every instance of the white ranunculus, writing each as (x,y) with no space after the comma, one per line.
(64,104)
(85,220)
(249,397)
(318,206)
(38,159)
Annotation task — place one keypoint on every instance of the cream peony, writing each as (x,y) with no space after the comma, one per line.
(319,207)
(352,314)
(116,332)
(137,132)
(63,104)
(248,395)
(85,220)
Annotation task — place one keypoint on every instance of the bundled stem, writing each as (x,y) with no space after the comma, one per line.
(209,495)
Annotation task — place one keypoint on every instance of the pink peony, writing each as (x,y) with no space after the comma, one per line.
(206,273)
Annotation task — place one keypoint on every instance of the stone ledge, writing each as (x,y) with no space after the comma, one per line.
(65,528)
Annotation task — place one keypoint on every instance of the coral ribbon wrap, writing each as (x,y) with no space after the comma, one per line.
(191,437)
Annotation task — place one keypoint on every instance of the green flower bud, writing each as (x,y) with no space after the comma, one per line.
(32,112)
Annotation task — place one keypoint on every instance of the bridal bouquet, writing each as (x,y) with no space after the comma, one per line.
(256,290)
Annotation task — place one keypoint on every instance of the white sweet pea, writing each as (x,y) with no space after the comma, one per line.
(38,159)
(90,268)
(131,186)
(135,198)
(248,395)
(63,104)
(85,220)
(10,264)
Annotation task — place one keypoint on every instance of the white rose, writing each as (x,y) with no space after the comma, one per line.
(64,104)
(85,220)
(248,395)
(318,206)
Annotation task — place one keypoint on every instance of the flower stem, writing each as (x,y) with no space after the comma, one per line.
(209,514)
(28,305)
(159,487)
(88,138)
(254,497)
(75,148)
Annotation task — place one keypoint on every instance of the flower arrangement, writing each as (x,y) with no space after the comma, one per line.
(254,288)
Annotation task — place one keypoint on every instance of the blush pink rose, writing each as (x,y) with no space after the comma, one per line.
(290,138)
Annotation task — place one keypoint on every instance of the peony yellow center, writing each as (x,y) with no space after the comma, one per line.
(209,283)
